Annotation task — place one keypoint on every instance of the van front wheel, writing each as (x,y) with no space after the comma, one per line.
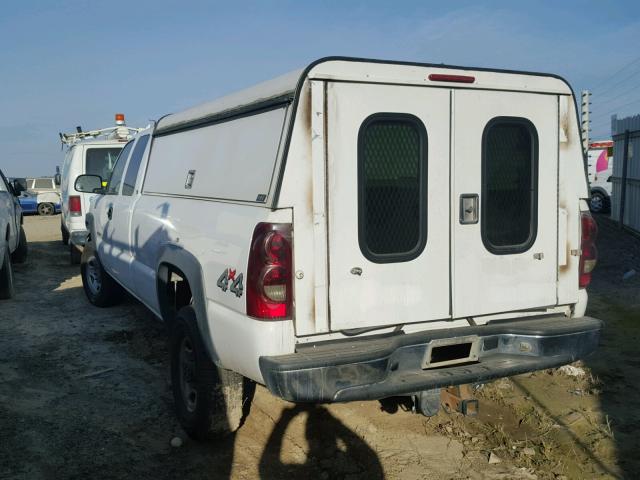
(211,402)
(99,287)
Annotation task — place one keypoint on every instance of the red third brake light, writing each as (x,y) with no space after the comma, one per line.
(75,207)
(442,77)
(269,273)
(589,255)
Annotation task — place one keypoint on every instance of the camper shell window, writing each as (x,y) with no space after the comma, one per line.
(43,183)
(392,187)
(509,185)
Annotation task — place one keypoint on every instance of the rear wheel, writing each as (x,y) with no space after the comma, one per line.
(599,202)
(46,209)
(65,234)
(20,253)
(99,287)
(211,402)
(6,277)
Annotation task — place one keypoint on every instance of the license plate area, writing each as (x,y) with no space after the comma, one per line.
(443,352)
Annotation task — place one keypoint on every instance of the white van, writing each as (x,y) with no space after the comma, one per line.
(356,230)
(600,170)
(93,153)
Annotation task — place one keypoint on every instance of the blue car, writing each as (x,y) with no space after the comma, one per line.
(29,204)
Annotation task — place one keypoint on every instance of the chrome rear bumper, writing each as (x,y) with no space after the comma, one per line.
(381,366)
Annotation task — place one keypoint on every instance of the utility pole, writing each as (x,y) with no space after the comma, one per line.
(586,123)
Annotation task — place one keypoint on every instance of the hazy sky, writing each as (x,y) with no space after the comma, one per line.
(64,64)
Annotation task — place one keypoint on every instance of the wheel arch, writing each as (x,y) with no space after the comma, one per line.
(173,259)
(599,190)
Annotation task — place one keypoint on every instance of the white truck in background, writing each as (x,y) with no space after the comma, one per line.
(600,169)
(92,152)
(46,194)
(355,230)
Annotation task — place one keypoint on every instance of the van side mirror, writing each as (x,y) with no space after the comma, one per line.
(89,184)
(57,179)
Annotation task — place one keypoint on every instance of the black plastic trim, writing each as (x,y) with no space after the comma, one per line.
(533,222)
(423,195)
(305,73)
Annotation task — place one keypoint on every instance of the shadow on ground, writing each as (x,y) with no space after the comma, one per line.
(614,296)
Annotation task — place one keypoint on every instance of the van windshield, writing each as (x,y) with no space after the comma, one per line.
(100,161)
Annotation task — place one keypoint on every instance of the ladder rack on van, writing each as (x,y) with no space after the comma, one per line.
(119,132)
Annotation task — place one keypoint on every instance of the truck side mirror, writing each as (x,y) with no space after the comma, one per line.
(57,179)
(89,184)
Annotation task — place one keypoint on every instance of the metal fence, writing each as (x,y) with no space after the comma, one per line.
(626,171)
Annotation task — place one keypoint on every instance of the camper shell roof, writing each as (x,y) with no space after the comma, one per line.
(286,88)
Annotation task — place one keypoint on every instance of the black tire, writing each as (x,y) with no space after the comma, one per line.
(65,234)
(75,255)
(210,402)
(99,287)
(20,253)
(6,277)
(46,209)
(599,202)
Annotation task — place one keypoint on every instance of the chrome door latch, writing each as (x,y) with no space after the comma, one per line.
(188,183)
(356,271)
(468,208)
(538,256)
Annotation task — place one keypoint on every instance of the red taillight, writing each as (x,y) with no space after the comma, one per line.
(269,274)
(441,77)
(589,255)
(75,207)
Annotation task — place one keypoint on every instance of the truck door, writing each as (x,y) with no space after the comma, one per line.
(388,204)
(116,242)
(505,190)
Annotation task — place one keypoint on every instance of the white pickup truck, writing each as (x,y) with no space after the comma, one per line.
(356,230)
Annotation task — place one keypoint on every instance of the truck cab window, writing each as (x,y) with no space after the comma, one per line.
(118,170)
(134,166)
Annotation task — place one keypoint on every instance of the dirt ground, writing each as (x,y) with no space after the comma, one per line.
(84,393)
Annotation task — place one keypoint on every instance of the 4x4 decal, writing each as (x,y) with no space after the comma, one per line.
(229,275)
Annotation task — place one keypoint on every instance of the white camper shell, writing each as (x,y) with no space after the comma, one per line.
(88,152)
(356,230)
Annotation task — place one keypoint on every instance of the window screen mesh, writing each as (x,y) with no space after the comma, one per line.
(509,184)
(391,156)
